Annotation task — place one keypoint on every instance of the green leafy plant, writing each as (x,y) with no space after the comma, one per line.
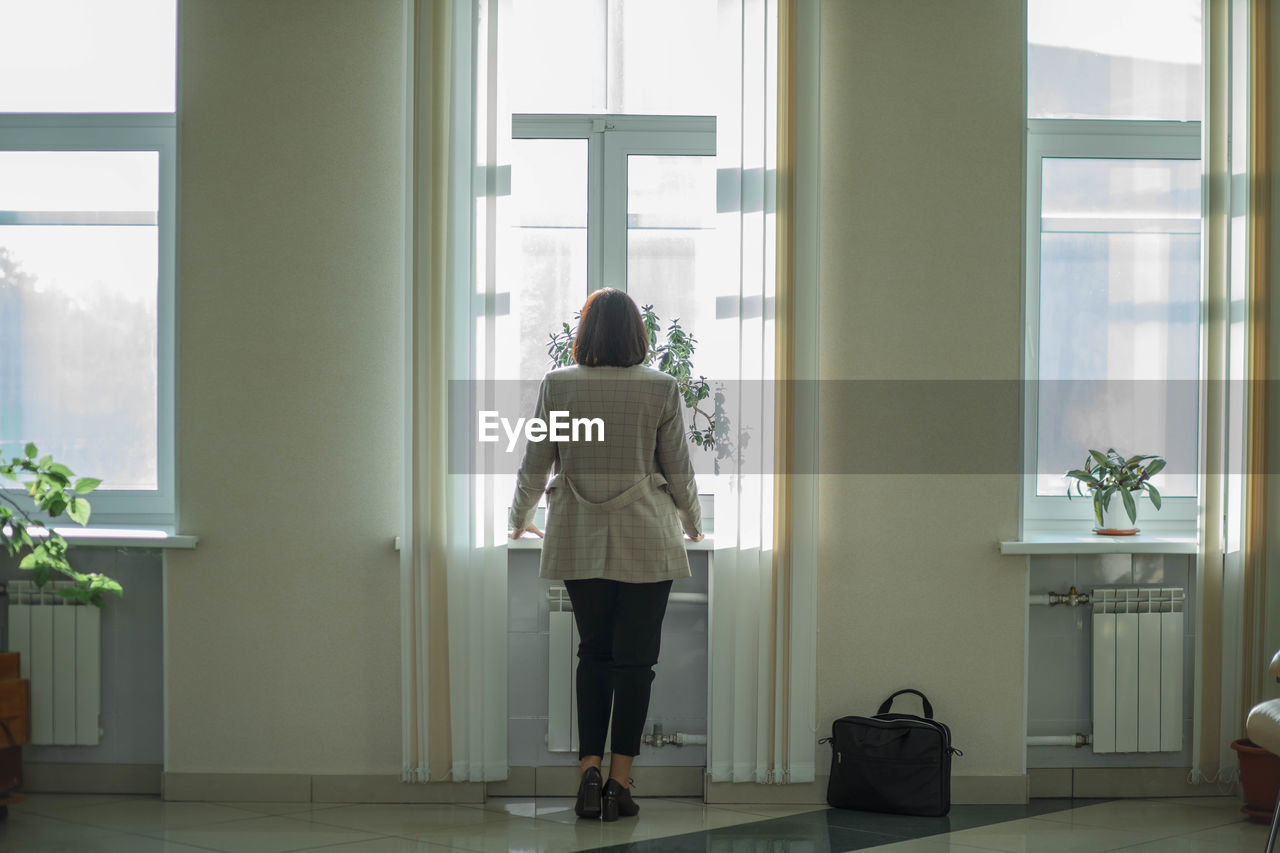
(674,356)
(51,486)
(1106,474)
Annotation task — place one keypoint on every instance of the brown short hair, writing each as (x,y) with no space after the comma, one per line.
(610,331)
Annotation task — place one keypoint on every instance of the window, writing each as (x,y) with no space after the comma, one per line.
(619,201)
(606,115)
(87,225)
(616,150)
(1114,319)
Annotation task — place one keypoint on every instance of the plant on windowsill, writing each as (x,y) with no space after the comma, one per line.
(49,484)
(1109,474)
(709,429)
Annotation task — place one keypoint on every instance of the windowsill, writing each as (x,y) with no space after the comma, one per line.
(1166,540)
(121,537)
(533,543)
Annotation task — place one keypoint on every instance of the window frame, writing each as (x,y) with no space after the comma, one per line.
(156,132)
(1113,139)
(611,139)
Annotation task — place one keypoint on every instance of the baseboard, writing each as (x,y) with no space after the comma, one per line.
(47,778)
(1049,782)
(237,787)
(1136,782)
(389,789)
(799,793)
(989,790)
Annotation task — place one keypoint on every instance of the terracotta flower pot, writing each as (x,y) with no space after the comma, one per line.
(1259,779)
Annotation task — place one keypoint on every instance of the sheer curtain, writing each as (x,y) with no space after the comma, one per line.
(453,575)
(761,691)
(1231,559)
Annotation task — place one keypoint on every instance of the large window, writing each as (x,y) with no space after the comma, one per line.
(87,147)
(617,149)
(1115,94)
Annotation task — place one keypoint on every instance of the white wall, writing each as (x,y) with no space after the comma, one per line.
(922,129)
(282,636)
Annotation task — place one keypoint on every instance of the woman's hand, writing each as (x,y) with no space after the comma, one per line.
(516,534)
(697,538)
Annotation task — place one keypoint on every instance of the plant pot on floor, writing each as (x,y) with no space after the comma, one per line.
(1259,779)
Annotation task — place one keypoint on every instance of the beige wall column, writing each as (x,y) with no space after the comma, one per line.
(282,628)
(923,118)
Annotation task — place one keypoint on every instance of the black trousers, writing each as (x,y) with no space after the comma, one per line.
(620,625)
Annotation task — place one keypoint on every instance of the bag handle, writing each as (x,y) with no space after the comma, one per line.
(928,708)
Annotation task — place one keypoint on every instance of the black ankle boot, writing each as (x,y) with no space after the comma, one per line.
(588,804)
(616,802)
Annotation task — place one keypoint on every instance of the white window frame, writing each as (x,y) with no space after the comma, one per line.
(127,132)
(611,139)
(1082,139)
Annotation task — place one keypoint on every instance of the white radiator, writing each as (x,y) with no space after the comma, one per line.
(60,646)
(562,660)
(1137,670)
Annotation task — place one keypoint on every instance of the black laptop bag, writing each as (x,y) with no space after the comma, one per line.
(897,763)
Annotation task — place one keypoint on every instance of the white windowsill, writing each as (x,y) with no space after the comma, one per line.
(533,543)
(120,537)
(1171,540)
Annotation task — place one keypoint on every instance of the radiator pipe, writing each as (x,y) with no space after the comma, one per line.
(673,739)
(1077,740)
(1070,598)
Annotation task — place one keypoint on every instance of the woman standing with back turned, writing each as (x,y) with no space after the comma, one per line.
(616,508)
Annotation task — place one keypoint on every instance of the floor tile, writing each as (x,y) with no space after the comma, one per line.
(534,836)
(1243,833)
(929,845)
(1226,803)
(1122,814)
(664,817)
(279,808)
(270,834)
(764,810)
(665,825)
(408,821)
(381,845)
(33,833)
(144,815)
(1192,844)
(1039,835)
(526,806)
(60,805)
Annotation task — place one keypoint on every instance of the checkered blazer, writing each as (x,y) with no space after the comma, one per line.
(615,508)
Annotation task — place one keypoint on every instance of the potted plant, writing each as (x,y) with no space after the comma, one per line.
(1109,474)
(50,486)
(1259,779)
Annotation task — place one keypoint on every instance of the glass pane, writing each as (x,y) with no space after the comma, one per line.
(542,252)
(671,263)
(553,56)
(1115,59)
(86,56)
(78,288)
(1119,315)
(660,67)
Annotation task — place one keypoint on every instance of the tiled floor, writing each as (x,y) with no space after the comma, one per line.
(47,822)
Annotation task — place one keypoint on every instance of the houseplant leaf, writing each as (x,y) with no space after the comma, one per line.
(1130,508)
